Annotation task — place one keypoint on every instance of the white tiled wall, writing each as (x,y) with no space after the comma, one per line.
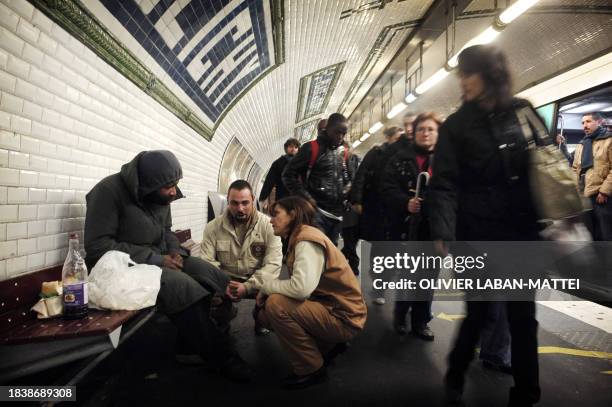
(67,119)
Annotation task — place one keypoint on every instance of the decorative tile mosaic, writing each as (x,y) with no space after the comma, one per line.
(212,49)
(306,131)
(316,90)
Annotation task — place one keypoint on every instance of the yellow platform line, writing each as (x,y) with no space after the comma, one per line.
(575,352)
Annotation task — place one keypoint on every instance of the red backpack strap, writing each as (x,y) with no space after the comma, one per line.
(314,153)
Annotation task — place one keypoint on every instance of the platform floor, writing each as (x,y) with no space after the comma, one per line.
(380,369)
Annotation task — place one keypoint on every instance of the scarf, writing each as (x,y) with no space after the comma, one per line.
(587,147)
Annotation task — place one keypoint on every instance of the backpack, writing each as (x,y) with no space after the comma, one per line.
(314,154)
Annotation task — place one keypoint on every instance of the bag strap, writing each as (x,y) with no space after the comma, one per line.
(314,153)
(527,118)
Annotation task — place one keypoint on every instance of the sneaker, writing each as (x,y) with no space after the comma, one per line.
(424,333)
(379,301)
(236,370)
(299,382)
(261,331)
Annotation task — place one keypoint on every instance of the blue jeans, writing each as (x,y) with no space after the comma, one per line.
(330,227)
(495,335)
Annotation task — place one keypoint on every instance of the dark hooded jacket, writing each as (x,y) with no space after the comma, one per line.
(118,218)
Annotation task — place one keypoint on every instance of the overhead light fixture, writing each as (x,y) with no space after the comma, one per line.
(410,98)
(356,144)
(484,37)
(397,109)
(364,137)
(607,109)
(375,127)
(569,106)
(431,81)
(515,10)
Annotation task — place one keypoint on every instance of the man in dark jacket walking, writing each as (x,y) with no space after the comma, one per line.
(130,212)
(274,177)
(322,182)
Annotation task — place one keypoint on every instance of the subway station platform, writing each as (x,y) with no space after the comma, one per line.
(380,369)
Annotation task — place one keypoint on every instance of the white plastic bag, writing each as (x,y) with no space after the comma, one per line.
(117,283)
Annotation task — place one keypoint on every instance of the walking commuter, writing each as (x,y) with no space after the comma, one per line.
(480,192)
(593,167)
(366,195)
(274,179)
(315,173)
(242,244)
(350,220)
(399,182)
(130,212)
(320,307)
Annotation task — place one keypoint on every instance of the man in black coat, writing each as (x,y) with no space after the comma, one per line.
(365,192)
(322,183)
(274,177)
(130,212)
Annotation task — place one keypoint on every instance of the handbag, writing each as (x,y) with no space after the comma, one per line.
(553,184)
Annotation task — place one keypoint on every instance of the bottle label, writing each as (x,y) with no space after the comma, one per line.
(75,295)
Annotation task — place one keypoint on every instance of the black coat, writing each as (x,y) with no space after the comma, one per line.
(398,185)
(326,184)
(118,219)
(274,179)
(480,188)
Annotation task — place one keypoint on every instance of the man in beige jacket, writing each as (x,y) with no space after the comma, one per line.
(593,167)
(242,244)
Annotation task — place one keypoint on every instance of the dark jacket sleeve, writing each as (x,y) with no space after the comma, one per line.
(442,191)
(266,189)
(101,226)
(358,187)
(172,242)
(393,187)
(294,169)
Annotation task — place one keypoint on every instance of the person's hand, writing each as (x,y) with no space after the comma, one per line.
(230,294)
(171,263)
(414,205)
(441,248)
(178,259)
(260,300)
(358,208)
(601,198)
(237,289)
(560,139)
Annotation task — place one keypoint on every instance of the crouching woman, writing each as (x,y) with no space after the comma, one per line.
(320,307)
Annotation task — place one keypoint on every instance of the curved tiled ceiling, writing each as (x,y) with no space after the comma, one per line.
(261,70)
(551,38)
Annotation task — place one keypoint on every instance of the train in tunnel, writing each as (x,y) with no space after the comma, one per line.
(213,90)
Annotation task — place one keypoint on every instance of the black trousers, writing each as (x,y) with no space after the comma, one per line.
(524,348)
(420,314)
(198,332)
(350,238)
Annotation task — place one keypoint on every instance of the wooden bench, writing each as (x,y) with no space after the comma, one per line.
(29,345)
